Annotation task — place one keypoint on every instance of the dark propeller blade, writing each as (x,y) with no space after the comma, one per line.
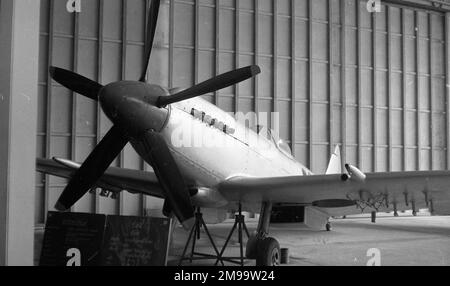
(93,168)
(166,169)
(151,30)
(167,209)
(76,82)
(211,85)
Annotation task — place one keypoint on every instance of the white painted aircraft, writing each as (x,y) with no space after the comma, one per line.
(234,172)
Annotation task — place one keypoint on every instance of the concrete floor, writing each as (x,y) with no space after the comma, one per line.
(406,240)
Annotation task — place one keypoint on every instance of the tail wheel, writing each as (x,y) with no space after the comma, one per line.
(268,252)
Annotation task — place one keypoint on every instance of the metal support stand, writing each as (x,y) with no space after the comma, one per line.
(395,210)
(239,223)
(194,235)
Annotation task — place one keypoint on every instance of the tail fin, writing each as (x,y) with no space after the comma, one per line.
(335,165)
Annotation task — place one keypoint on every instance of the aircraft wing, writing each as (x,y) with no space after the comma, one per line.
(378,191)
(114,179)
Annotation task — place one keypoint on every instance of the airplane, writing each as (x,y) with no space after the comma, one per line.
(238,175)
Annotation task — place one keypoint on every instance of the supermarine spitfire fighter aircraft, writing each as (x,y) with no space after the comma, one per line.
(236,175)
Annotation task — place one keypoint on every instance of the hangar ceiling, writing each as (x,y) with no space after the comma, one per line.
(375,83)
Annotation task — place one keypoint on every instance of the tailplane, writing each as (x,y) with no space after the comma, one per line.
(335,165)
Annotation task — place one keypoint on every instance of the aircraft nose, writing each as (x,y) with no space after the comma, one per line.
(131,105)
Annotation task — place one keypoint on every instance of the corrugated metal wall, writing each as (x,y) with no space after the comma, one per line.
(375,83)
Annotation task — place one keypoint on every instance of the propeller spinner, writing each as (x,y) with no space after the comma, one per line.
(136,109)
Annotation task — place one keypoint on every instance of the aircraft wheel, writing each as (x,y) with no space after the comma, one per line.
(268,253)
(328,226)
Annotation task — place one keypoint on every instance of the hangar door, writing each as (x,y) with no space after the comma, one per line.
(374,83)
(394,85)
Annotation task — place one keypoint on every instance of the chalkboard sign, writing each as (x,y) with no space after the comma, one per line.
(135,241)
(72,239)
(75,239)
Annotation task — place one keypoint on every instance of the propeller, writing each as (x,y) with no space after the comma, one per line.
(92,168)
(76,82)
(211,85)
(151,30)
(167,209)
(135,109)
(170,178)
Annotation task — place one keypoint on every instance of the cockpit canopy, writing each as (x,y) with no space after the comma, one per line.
(284,147)
(275,138)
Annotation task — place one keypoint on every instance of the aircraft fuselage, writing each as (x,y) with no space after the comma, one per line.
(211,146)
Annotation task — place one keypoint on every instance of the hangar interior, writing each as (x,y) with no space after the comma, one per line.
(373,83)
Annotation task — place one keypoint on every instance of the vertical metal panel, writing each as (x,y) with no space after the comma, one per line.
(310,85)
(100,41)
(430,94)
(275,62)
(418,97)
(19,57)
(447,80)
(293,78)
(217,51)
(359,84)
(389,54)
(171,42)
(330,78)
(76,41)
(120,206)
(237,51)
(404,84)
(343,81)
(256,55)
(196,40)
(375,92)
(143,164)
(48,122)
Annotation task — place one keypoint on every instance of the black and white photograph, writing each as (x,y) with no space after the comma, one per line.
(229,134)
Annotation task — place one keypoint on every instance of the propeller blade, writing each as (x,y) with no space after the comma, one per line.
(167,209)
(93,168)
(211,85)
(76,82)
(176,192)
(151,30)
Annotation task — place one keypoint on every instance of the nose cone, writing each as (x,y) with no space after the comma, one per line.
(131,105)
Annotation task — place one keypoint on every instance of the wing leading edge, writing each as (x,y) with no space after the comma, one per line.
(114,179)
(379,191)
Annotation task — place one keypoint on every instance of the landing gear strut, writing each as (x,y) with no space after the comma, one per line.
(266,250)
